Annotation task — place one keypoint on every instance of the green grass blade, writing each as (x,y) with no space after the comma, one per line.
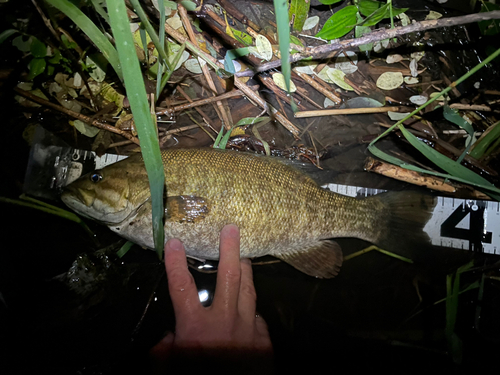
(281,10)
(91,30)
(159,44)
(489,136)
(146,130)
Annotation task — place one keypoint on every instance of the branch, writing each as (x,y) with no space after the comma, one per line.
(319,51)
(76,115)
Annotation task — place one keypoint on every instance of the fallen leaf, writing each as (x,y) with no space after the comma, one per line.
(418,99)
(264,47)
(310,23)
(193,66)
(337,76)
(394,58)
(390,80)
(279,79)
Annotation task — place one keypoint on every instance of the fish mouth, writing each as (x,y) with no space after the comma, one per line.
(87,205)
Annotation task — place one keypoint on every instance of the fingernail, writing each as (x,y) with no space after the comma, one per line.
(174,244)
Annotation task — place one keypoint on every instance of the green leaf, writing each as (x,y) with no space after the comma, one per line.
(21,44)
(339,24)
(448,165)
(4,35)
(231,55)
(369,7)
(124,249)
(146,129)
(330,2)
(189,5)
(91,30)
(37,66)
(251,120)
(281,11)
(489,27)
(453,116)
(491,135)
(299,9)
(242,37)
(38,48)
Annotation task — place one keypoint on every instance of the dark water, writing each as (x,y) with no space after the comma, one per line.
(378,314)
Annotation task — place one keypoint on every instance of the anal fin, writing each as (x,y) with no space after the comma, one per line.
(322,260)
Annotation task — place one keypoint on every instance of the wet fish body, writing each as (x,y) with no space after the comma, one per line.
(280,211)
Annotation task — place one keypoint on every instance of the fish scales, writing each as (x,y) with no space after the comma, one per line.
(280,211)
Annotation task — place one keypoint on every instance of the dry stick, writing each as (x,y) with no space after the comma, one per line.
(197,103)
(319,51)
(76,115)
(271,85)
(346,111)
(415,178)
(328,93)
(224,110)
(237,82)
(304,94)
(202,114)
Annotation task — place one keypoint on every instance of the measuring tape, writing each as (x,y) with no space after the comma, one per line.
(457,223)
(465,224)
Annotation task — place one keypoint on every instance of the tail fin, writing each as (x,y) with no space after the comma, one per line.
(402,219)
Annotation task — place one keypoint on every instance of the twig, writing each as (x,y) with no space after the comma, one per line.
(76,115)
(237,82)
(346,111)
(327,93)
(415,178)
(202,114)
(197,103)
(319,51)
(225,115)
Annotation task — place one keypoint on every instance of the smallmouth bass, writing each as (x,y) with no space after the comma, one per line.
(280,211)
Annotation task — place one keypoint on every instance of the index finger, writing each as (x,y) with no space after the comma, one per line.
(181,285)
(228,272)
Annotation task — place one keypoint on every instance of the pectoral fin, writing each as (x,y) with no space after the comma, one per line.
(322,260)
(186,209)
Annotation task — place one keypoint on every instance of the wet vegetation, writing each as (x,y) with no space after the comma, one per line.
(407,90)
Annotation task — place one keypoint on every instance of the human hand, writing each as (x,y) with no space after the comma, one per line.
(229,328)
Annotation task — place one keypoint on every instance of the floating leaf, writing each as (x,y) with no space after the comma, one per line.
(21,44)
(279,79)
(323,74)
(85,129)
(193,66)
(307,68)
(396,116)
(337,76)
(433,15)
(390,80)
(394,58)
(418,99)
(363,102)
(339,24)
(381,45)
(328,103)
(347,62)
(405,20)
(310,23)
(410,80)
(264,47)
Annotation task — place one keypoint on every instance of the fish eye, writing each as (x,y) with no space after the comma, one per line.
(95,177)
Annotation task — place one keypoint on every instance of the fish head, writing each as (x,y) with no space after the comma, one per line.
(112,194)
